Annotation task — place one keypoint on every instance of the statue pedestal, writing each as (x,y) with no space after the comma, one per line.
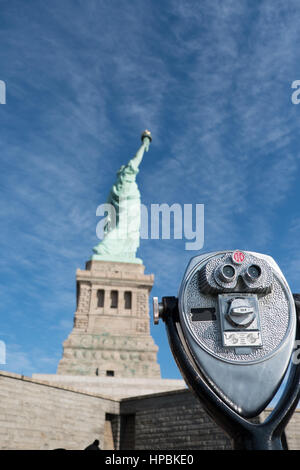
(124,258)
(111,334)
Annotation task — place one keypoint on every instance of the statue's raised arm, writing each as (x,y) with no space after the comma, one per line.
(146,139)
(122,231)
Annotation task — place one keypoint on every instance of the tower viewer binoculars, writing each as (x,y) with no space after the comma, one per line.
(232,331)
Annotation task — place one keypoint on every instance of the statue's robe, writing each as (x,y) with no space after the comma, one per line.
(122,237)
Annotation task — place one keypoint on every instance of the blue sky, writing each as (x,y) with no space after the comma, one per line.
(210,79)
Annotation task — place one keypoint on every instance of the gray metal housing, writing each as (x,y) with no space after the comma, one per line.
(246,378)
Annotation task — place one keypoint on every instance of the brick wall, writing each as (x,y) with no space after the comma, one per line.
(172,420)
(34,415)
(176,420)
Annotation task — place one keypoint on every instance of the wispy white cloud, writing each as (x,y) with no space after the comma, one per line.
(212,82)
(27,362)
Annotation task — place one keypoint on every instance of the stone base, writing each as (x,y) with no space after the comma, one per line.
(113,387)
(116,259)
(111,332)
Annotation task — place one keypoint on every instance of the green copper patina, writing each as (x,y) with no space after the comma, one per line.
(122,231)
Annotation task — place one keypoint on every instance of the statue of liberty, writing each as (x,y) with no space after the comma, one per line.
(122,230)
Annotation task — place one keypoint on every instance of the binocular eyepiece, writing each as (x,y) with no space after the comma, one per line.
(236,272)
(234,323)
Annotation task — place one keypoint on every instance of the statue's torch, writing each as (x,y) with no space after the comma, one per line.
(146,139)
